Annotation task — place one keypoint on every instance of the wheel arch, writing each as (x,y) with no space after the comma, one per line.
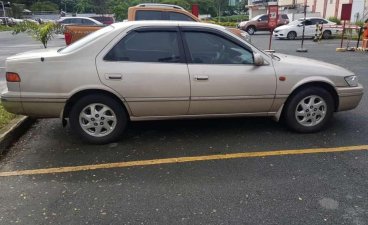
(251,26)
(322,84)
(77,95)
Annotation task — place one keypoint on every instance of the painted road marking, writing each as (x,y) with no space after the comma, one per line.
(182,160)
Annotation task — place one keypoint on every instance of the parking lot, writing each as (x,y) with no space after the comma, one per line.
(220,171)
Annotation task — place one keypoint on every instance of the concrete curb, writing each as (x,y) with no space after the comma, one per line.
(11,132)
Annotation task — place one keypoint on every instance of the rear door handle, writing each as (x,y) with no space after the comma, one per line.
(201,77)
(113,76)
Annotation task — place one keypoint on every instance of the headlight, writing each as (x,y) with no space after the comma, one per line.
(352,80)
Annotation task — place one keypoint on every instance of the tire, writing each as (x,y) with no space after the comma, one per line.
(106,124)
(291,35)
(251,30)
(302,116)
(326,34)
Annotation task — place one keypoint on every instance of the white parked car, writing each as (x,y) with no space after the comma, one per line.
(157,70)
(79,21)
(294,29)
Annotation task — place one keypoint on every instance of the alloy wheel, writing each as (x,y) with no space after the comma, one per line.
(310,111)
(97,120)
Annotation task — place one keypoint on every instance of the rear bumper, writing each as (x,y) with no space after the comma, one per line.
(40,107)
(12,103)
(349,97)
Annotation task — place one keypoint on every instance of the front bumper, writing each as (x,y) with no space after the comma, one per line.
(279,34)
(349,97)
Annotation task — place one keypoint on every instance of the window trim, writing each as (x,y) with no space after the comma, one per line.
(214,32)
(183,58)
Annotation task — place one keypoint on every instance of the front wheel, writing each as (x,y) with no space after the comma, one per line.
(291,35)
(251,30)
(98,119)
(309,110)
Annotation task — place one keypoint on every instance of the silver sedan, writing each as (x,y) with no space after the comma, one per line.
(151,70)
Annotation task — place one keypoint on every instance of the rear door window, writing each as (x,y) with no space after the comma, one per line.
(148,15)
(147,46)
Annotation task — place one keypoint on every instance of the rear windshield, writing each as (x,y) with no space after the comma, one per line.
(87,39)
(148,15)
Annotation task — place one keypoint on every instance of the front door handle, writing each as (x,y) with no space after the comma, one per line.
(201,77)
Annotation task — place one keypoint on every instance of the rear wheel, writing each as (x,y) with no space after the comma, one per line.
(98,119)
(326,34)
(309,110)
(291,35)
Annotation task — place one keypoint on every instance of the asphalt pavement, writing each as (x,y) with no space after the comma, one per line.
(137,184)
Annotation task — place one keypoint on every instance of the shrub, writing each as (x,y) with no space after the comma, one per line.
(335,19)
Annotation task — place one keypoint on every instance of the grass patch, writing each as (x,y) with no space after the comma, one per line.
(233,18)
(5,28)
(5,117)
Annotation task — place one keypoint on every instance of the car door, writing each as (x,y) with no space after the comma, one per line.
(223,76)
(310,28)
(262,23)
(147,67)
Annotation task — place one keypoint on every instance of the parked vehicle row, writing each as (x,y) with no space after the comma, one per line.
(147,11)
(155,70)
(260,23)
(294,29)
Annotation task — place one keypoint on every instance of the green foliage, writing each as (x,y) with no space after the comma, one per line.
(44,6)
(335,20)
(5,117)
(359,23)
(233,18)
(120,8)
(183,3)
(84,6)
(5,28)
(225,24)
(40,32)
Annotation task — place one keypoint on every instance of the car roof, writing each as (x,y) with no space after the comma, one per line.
(166,23)
(308,18)
(75,17)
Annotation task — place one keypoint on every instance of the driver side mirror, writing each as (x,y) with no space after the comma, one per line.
(300,25)
(258,59)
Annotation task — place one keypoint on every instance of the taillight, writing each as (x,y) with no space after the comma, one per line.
(68,38)
(12,77)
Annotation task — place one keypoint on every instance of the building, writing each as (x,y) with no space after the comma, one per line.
(323,8)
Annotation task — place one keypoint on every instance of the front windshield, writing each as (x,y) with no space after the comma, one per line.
(87,39)
(296,22)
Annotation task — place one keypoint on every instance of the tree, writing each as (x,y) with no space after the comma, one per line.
(44,6)
(40,32)
(120,8)
(84,6)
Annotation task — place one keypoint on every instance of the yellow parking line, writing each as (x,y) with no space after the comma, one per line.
(182,160)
